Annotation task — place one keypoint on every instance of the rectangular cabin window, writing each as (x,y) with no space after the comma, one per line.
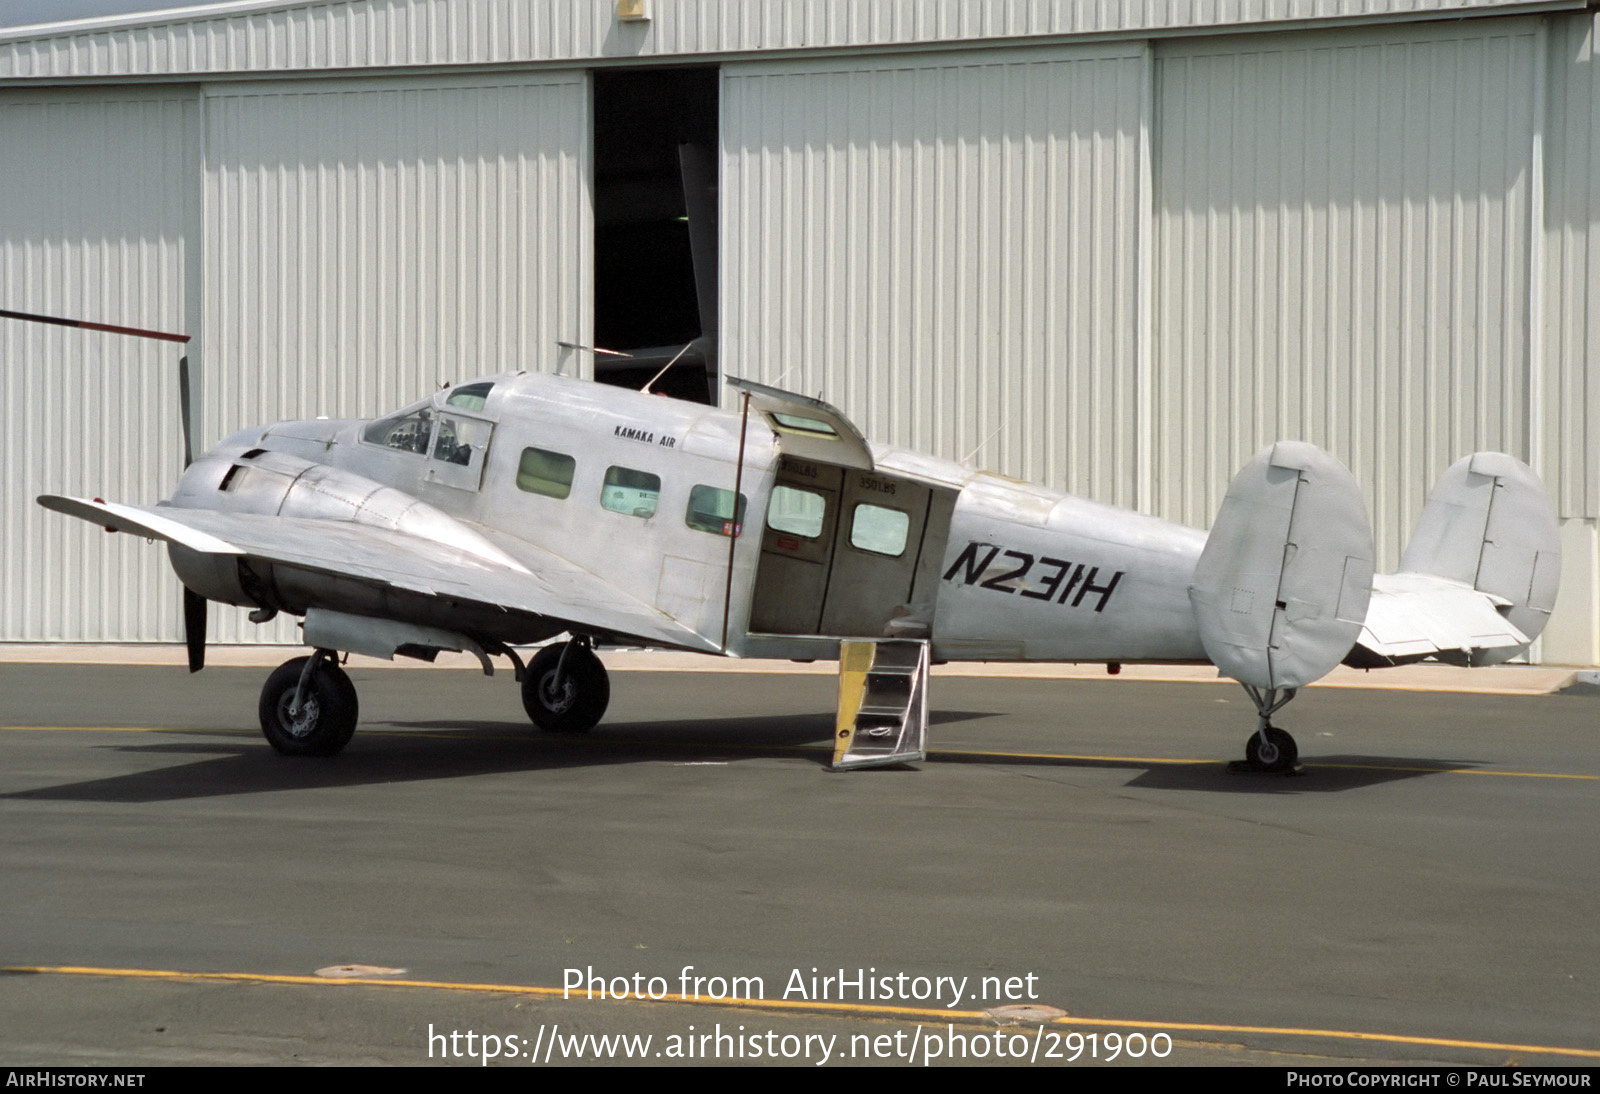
(547,473)
(810,427)
(879,530)
(711,510)
(798,512)
(630,491)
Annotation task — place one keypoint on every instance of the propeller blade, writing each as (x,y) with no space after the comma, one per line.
(184,411)
(194,628)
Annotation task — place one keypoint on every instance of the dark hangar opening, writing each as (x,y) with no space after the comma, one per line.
(655,228)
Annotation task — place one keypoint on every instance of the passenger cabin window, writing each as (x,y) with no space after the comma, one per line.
(459,438)
(471,397)
(711,510)
(547,473)
(406,432)
(879,530)
(630,491)
(799,512)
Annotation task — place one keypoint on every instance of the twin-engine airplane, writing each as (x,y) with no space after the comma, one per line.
(517,508)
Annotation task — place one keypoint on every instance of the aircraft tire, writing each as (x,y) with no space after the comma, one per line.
(1278,754)
(326,723)
(581,700)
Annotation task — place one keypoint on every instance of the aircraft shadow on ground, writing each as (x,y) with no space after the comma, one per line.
(1317,775)
(396,751)
(385,752)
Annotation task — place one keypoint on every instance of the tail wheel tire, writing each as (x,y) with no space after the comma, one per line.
(327,717)
(566,698)
(1277,753)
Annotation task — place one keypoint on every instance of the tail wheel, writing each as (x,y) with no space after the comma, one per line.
(566,689)
(326,718)
(1277,753)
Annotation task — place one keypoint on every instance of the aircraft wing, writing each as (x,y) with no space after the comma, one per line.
(1416,615)
(549,586)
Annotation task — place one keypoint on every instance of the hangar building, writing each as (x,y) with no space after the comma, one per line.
(1114,246)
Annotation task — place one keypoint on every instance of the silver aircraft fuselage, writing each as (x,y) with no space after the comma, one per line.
(988,567)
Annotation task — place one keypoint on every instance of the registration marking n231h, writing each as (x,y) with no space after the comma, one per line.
(1054,579)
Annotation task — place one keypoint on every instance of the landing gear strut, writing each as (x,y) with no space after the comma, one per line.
(308,706)
(566,689)
(1269,748)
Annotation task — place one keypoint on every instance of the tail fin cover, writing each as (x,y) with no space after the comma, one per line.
(1282,585)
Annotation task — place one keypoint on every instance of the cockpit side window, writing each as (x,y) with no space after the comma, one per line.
(407,432)
(459,438)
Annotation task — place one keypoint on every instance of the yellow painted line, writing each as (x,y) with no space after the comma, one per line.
(990,754)
(1453,771)
(875,1009)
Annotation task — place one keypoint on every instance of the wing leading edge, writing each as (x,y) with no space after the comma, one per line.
(550,587)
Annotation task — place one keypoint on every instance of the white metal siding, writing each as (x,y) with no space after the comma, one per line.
(1570,330)
(99,194)
(1572,268)
(1342,254)
(395,33)
(946,249)
(366,241)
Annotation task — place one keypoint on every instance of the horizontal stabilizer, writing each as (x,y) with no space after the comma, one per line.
(1415,616)
(1282,585)
(1479,577)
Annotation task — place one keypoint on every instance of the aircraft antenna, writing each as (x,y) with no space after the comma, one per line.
(588,349)
(968,457)
(651,382)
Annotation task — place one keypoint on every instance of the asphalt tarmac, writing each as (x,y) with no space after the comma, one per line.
(1425,890)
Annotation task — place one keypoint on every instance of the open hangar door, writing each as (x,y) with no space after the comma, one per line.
(655,229)
(370,239)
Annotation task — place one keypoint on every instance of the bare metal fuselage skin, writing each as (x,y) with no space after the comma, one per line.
(991,569)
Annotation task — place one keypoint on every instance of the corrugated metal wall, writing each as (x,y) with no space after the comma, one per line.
(367,240)
(1572,268)
(1342,230)
(100,197)
(1117,269)
(946,248)
(1570,351)
(339,34)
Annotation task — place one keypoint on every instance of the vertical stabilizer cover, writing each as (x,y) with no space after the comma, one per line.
(1281,588)
(1489,524)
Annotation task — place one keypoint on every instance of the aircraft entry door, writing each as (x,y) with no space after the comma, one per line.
(845,551)
(796,548)
(876,548)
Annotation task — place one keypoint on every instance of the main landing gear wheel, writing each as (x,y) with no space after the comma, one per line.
(566,689)
(1277,753)
(325,719)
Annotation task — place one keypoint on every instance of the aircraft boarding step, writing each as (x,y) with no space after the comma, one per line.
(883,703)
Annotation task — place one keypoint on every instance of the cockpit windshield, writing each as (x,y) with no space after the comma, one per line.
(409,431)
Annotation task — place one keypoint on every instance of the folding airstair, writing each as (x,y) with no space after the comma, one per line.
(883,703)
